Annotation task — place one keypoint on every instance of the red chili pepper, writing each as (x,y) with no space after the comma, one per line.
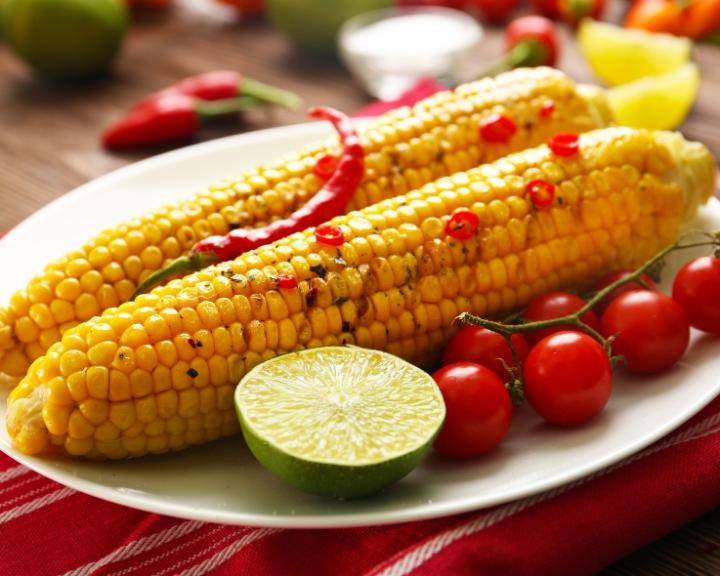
(542,193)
(286,281)
(325,166)
(564,144)
(168,119)
(538,37)
(462,225)
(547,109)
(497,128)
(331,200)
(224,84)
(330,235)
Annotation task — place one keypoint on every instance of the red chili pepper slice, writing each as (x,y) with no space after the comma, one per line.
(497,128)
(565,145)
(286,281)
(462,225)
(542,193)
(325,166)
(330,235)
(547,109)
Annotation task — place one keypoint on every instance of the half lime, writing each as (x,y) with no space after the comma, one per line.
(339,421)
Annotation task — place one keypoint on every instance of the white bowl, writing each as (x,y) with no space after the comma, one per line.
(388,50)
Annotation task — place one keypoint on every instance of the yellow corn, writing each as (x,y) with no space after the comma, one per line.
(405,149)
(158,373)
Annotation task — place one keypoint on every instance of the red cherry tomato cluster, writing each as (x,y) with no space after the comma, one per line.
(567,374)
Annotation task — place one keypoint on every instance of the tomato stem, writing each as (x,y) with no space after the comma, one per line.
(516,385)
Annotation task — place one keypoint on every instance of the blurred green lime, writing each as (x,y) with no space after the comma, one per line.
(65,39)
(314,24)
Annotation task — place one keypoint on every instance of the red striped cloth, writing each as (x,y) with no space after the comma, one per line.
(575,529)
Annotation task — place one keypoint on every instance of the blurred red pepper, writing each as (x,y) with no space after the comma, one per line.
(700,19)
(654,16)
(529,41)
(695,18)
(537,36)
(570,11)
(170,118)
(223,84)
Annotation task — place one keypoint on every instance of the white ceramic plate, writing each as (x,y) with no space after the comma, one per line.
(221,482)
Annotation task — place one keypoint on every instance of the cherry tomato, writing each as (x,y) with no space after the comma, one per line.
(555,305)
(494,10)
(478,407)
(568,378)
(482,346)
(652,331)
(697,289)
(614,277)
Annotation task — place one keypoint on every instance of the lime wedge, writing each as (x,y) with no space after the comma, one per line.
(619,55)
(658,102)
(339,421)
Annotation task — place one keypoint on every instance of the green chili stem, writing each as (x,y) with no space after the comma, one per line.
(214,108)
(191,263)
(270,94)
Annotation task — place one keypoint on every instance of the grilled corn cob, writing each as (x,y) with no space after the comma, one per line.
(404,149)
(158,373)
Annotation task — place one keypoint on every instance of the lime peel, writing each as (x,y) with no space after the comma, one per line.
(65,39)
(339,421)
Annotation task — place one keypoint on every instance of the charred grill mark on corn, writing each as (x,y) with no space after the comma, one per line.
(130,382)
(405,149)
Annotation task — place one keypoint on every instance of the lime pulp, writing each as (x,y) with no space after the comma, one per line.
(339,421)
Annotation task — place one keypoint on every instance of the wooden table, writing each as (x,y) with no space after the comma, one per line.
(49,145)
